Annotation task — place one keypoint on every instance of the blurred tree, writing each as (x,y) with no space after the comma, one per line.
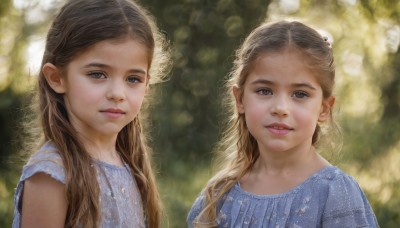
(204,34)
(9,103)
(379,139)
(15,32)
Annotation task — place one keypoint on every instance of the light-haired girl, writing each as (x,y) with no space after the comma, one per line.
(92,167)
(281,92)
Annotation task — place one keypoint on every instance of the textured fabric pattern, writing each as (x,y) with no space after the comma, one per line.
(329,198)
(121,205)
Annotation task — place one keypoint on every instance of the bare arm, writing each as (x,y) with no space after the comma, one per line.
(44,203)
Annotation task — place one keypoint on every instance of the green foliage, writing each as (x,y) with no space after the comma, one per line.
(204,35)
(4,7)
(186,120)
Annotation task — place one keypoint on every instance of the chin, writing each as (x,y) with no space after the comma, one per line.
(277,148)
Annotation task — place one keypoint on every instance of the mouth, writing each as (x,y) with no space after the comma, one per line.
(279,128)
(113,110)
(113,113)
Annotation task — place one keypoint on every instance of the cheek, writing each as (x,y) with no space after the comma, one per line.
(85,95)
(251,106)
(307,114)
(137,97)
(79,90)
(254,112)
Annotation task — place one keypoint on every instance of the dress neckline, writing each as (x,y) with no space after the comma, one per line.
(109,165)
(294,190)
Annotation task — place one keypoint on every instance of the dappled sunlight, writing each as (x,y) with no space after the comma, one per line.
(34,54)
(182,119)
(7,42)
(234,26)
(381,174)
(393,38)
(374,41)
(352,63)
(360,98)
(178,194)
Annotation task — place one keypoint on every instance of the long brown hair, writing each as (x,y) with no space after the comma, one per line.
(238,149)
(79,25)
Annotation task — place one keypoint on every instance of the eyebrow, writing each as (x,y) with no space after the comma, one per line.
(296,85)
(102,65)
(262,81)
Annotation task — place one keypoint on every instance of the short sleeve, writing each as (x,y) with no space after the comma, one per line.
(47,161)
(197,207)
(50,164)
(347,205)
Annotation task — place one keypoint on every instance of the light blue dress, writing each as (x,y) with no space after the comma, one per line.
(120,200)
(329,198)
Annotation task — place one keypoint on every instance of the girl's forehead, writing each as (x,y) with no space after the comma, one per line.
(285,51)
(282,61)
(288,67)
(102,47)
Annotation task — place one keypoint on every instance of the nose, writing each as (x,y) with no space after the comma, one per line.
(280,106)
(116,90)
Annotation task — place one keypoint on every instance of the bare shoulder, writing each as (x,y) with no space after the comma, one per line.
(44,202)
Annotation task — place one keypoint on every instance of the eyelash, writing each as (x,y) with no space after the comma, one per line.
(264,92)
(101,75)
(135,78)
(96,74)
(301,93)
(297,94)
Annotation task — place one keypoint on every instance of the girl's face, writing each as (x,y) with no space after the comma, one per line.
(282,102)
(104,87)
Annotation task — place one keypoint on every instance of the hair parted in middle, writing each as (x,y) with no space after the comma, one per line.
(79,25)
(238,149)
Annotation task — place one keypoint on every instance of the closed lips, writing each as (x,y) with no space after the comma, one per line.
(279,126)
(112,110)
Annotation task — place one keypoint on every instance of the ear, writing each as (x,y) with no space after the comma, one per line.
(54,78)
(326,108)
(238,97)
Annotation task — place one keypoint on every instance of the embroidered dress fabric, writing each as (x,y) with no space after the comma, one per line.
(329,198)
(121,206)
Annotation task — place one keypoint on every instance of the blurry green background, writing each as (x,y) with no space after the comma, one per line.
(187,115)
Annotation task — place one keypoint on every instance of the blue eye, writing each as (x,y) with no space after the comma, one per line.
(264,91)
(97,75)
(133,79)
(300,94)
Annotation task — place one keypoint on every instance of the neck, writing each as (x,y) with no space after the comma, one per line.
(289,161)
(103,149)
(281,171)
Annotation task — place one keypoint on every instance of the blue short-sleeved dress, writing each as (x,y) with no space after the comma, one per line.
(329,198)
(120,200)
